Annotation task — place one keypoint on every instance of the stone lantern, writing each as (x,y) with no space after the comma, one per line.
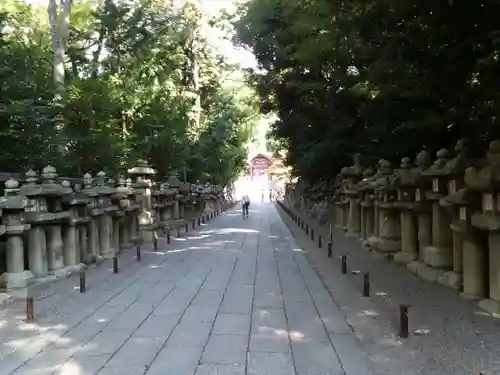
(143,174)
(353,175)
(406,181)
(13,225)
(486,181)
(464,203)
(123,200)
(174,183)
(102,198)
(454,171)
(133,211)
(422,209)
(116,214)
(438,257)
(95,212)
(74,233)
(342,202)
(37,216)
(53,193)
(389,232)
(367,207)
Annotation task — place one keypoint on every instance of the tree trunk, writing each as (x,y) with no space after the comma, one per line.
(59,29)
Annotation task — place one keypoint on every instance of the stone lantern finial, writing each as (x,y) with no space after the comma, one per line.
(424,160)
(462,147)
(121,182)
(101,178)
(11,187)
(442,157)
(493,154)
(49,174)
(405,163)
(87,180)
(31,177)
(128,182)
(111,182)
(66,187)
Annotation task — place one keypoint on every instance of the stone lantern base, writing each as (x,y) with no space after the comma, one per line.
(490,305)
(15,280)
(452,280)
(384,245)
(425,271)
(404,258)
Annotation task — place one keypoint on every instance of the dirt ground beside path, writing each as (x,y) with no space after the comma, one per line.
(456,337)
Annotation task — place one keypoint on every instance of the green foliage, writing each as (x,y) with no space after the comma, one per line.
(137,71)
(383,78)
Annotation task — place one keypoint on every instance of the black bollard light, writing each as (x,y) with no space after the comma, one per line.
(138,253)
(194,224)
(307,228)
(320,242)
(178,233)
(312,234)
(169,237)
(155,241)
(330,250)
(403,321)
(115,264)
(83,286)
(186,227)
(366,284)
(344,264)
(30,310)
(199,221)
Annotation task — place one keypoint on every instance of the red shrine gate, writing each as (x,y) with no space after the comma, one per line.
(259,166)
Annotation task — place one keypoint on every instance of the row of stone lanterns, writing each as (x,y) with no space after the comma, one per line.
(440,219)
(52,229)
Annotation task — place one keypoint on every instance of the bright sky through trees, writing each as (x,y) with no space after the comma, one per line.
(212,8)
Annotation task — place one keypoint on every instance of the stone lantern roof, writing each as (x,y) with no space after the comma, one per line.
(142,169)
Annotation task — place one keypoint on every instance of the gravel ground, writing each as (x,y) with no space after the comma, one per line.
(456,336)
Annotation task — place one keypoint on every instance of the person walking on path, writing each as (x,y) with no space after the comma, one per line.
(245,203)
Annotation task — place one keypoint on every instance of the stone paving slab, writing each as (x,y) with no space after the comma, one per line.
(460,338)
(234,297)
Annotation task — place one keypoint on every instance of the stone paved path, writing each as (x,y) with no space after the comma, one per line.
(235,297)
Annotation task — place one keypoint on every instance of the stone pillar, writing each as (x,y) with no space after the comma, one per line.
(474,259)
(37,252)
(354,221)
(105,237)
(409,245)
(16,276)
(368,219)
(93,239)
(83,242)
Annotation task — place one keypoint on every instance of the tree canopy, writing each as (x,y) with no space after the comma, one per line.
(127,80)
(384,78)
